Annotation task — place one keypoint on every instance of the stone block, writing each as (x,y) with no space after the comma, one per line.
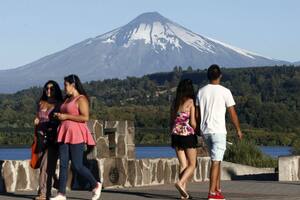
(145,166)
(130,139)
(167,173)
(139,174)
(202,150)
(131,172)
(114,172)
(174,172)
(98,129)
(102,148)
(130,151)
(122,127)
(110,124)
(197,175)
(91,124)
(160,171)
(154,172)
(121,146)
(22,180)
(9,174)
(130,124)
(112,144)
(34,178)
(289,168)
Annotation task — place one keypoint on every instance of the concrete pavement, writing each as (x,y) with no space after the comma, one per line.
(233,190)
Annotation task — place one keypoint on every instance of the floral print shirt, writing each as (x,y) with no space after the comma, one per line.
(182,124)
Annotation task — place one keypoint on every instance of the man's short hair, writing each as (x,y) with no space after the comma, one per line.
(213,72)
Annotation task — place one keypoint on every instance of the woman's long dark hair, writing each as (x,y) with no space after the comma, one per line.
(185,90)
(72,78)
(56,94)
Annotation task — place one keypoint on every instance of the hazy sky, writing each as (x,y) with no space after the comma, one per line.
(31,29)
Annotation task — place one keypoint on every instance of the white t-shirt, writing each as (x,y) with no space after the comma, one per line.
(213,101)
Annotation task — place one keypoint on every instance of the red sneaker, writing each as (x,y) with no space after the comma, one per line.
(219,192)
(215,196)
(220,195)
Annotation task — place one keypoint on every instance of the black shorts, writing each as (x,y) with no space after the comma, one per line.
(184,142)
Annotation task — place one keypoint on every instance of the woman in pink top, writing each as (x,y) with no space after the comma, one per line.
(73,134)
(183,137)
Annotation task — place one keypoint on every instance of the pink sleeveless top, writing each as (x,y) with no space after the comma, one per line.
(73,132)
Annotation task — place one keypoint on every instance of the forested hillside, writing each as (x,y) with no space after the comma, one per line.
(268,104)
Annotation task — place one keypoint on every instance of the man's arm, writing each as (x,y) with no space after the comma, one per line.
(235,120)
(198,120)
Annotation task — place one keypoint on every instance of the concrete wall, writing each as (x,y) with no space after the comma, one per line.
(113,161)
(289,168)
(120,172)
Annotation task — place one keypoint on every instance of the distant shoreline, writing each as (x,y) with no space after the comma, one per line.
(28,146)
(14,146)
(138,145)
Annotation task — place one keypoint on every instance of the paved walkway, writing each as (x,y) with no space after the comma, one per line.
(233,190)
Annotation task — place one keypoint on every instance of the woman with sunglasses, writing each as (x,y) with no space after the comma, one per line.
(73,134)
(46,133)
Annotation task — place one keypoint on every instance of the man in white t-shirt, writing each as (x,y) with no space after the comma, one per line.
(212,101)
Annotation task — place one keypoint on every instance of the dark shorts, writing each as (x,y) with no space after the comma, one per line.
(184,142)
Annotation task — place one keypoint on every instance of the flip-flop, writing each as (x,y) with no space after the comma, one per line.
(189,197)
(181,191)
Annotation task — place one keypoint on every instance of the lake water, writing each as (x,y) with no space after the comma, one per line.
(141,152)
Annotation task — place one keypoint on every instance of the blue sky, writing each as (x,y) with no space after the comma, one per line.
(31,29)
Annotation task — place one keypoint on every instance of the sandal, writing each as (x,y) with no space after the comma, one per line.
(183,193)
(40,197)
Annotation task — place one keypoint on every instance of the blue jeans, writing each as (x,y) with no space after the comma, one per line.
(73,152)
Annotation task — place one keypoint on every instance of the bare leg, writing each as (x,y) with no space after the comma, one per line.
(218,187)
(183,162)
(191,154)
(214,173)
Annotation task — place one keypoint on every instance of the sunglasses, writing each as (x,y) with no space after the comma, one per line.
(51,88)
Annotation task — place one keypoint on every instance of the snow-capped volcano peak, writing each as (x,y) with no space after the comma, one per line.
(155,30)
(162,34)
(149,18)
(150,28)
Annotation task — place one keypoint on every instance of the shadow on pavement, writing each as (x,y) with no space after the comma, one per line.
(256,177)
(12,195)
(151,195)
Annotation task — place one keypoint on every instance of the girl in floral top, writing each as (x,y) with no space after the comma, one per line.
(183,137)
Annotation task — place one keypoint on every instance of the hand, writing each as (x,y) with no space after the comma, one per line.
(240,134)
(60,116)
(36,121)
